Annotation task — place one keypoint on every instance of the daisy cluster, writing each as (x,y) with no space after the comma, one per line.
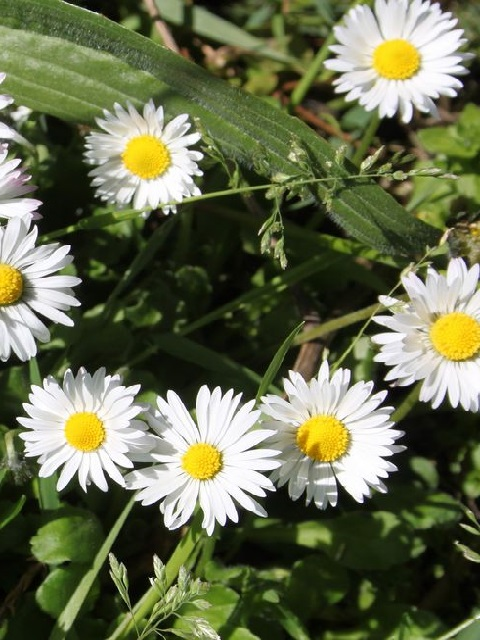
(225,453)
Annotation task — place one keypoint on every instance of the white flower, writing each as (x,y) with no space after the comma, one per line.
(13,187)
(28,288)
(142,160)
(399,56)
(329,433)
(88,425)
(6,132)
(435,337)
(212,461)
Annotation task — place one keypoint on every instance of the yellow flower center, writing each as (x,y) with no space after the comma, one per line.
(146,156)
(396,59)
(84,431)
(456,336)
(11,284)
(202,461)
(323,438)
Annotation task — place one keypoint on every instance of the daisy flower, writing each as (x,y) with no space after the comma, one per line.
(212,461)
(329,432)
(13,187)
(435,336)
(142,160)
(399,56)
(28,288)
(6,133)
(88,426)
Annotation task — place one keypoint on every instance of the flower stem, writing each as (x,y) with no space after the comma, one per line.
(408,404)
(463,625)
(187,550)
(312,72)
(47,491)
(367,138)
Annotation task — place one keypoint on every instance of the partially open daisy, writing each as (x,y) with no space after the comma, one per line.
(141,160)
(329,432)
(87,426)
(28,287)
(212,461)
(6,132)
(398,57)
(435,336)
(13,188)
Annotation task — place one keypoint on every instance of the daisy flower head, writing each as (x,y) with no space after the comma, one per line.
(212,461)
(6,133)
(435,336)
(13,187)
(329,432)
(401,55)
(88,426)
(142,160)
(28,288)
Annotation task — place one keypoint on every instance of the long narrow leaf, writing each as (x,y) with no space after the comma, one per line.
(71,63)
(207,24)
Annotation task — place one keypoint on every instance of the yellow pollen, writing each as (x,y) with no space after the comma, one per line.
(396,59)
(11,284)
(323,438)
(146,157)
(202,461)
(84,431)
(456,336)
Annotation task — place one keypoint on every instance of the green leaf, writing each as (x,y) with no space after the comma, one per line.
(74,537)
(55,591)
(9,511)
(84,63)
(207,24)
(359,541)
(331,584)
(422,509)
(276,362)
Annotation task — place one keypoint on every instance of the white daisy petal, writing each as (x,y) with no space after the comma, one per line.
(26,290)
(77,426)
(436,337)
(13,188)
(141,161)
(397,57)
(332,423)
(212,462)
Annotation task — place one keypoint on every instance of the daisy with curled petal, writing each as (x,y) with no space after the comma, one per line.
(88,426)
(28,287)
(329,433)
(435,336)
(213,460)
(13,187)
(141,160)
(399,56)
(6,133)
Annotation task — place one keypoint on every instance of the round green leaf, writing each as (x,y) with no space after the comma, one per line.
(55,591)
(76,537)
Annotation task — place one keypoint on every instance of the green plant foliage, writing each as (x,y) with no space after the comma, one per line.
(103,64)
(57,588)
(74,537)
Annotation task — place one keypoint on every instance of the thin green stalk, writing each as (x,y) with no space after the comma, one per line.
(188,547)
(463,625)
(408,404)
(367,138)
(114,217)
(69,614)
(47,490)
(312,72)
(338,323)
